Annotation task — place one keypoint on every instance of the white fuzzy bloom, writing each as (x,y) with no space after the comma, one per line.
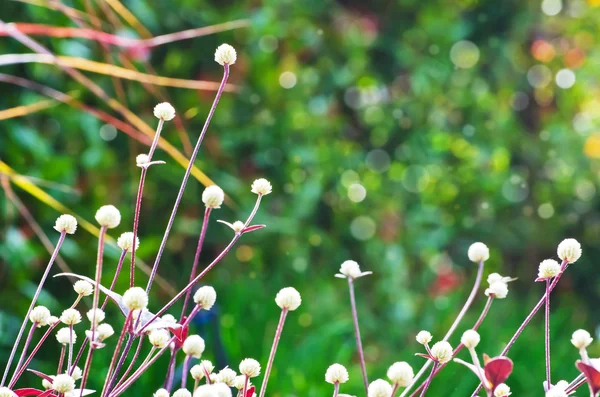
(227,376)
(288,298)
(569,250)
(164,111)
(193,346)
(250,367)
(169,318)
(53,320)
(104,331)
(213,196)
(350,269)
(125,241)
(6,392)
(261,186)
(47,384)
(182,393)
(336,373)
(159,338)
(470,339)
(442,352)
(142,159)
(205,297)
(96,317)
(225,54)
(197,372)
(66,223)
(556,392)
(83,288)
(498,290)
(161,393)
(494,277)
(109,216)
(562,384)
(401,374)
(63,383)
(207,365)
(135,298)
(548,268)
(379,388)
(63,335)
(478,252)
(205,391)
(237,226)
(423,337)
(221,390)
(502,390)
(40,315)
(239,382)
(581,339)
(77,373)
(70,317)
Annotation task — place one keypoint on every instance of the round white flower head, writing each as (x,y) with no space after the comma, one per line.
(221,390)
(288,298)
(581,339)
(164,111)
(227,376)
(207,365)
(182,393)
(63,335)
(442,352)
(494,277)
(548,268)
(502,390)
(562,384)
(53,320)
(569,250)
(498,290)
(142,159)
(66,223)
(159,338)
(250,367)
(261,186)
(6,392)
(161,393)
(423,337)
(470,339)
(350,269)
(213,196)
(125,241)
(46,384)
(478,252)
(193,346)
(401,374)
(77,373)
(239,382)
(70,317)
(556,392)
(135,298)
(169,318)
(205,297)
(197,372)
(109,216)
(205,391)
(40,315)
(83,288)
(336,373)
(379,388)
(63,383)
(104,331)
(225,54)
(96,317)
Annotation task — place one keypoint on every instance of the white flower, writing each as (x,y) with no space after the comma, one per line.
(46,384)
(261,186)
(478,252)
(498,290)
(401,374)
(556,392)
(142,159)
(237,226)
(494,277)
(63,383)
(250,367)
(164,111)
(159,338)
(66,223)
(470,339)
(63,335)
(95,317)
(225,54)
(239,382)
(77,373)
(213,196)
(40,315)
(548,268)
(205,297)
(193,346)
(442,352)
(71,317)
(161,393)
(53,320)
(207,365)
(379,388)
(6,392)
(288,298)
(221,390)
(569,250)
(502,390)
(182,393)
(197,372)
(83,288)
(227,376)
(169,318)
(581,339)
(351,269)
(423,337)
(104,331)
(205,391)
(108,216)
(135,298)
(562,384)
(125,241)
(336,373)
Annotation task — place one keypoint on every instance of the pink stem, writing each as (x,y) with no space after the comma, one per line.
(336,389)
(98,277)
(184,372)
(170,370)
(395,389)
(128,321)
(34,352)
(61,360)
(133,360)
(245,386)
(263,388)
(24,352)
(547,325)
(361,354)
(86,369)
(435,364)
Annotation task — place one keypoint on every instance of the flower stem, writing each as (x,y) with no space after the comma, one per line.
(34,352)
(70,359)
(263,388)
(435,364)
(394,390)
(170,370)
(547,325)
(336,389)
(86,369)
(24,352)
(98,277)
(245,390)
(116,352)
(133,360)
(184,371)
(359,346)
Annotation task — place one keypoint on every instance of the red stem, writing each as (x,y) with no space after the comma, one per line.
(359,346)
(547,325)
(435,364)
(263,388)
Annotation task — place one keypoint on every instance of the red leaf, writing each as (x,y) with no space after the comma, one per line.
(180,333)
(591,374)
(47,393)
(497,370)
(41,375)
(253,228)
(250,391)
(29,391)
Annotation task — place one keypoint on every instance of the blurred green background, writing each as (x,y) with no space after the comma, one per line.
(395,133)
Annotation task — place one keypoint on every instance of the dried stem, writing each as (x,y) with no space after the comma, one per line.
(361,354)
(263,388)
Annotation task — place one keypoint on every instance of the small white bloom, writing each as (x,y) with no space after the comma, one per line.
(498,290)
(205,297)
(162,393)
(96,317)
(239,382)
(205,391)
(548,268)
(350,269)
(423,337)
(109,216)
(159,338)
(135,298)
(169,318)
(442,352)
(63,383)
(225,54)
(63,335)
(401,374)
(261,186)
(125,241)
(197,372)
(193,346)
(77,373)
(40,315)
(142,159)
(227,376)
(66,223)
(556,392)
(47,384)
(182,393)
(53,320)
(6,392)
(288,298)
(222,390)
(207,365)
(71,317)
(213,196)
(470,339)
(562,384)
(103,331)
(379,388)
(581,339)
(250,367)
(569,250)
(478,252)
(237,226)
(164,111)
(502,390)
(83,288)
(336,373)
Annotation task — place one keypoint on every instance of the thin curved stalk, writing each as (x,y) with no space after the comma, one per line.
(24,352)
(133,360)
(184,371)
(547,326)
(168,383)
(263,388)
(359,346)
(428,383)
(336,389)
(98,277)
(109,374)
(34,352)
(86,369)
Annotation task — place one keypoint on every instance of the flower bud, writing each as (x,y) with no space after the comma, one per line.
(213,196)
(194,346)
(288,298)
(379,388)
(401,374)
(205,297)
(442,352)
(569,250)
(164,111)
(135,298)
(261,186)
(108,216)
(423,337)
(478,252)
(83,288)
(250,367)
(66,223)
(225,54)
(336,373)
(470,339)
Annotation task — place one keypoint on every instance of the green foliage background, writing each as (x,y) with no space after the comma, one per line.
(447,156)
